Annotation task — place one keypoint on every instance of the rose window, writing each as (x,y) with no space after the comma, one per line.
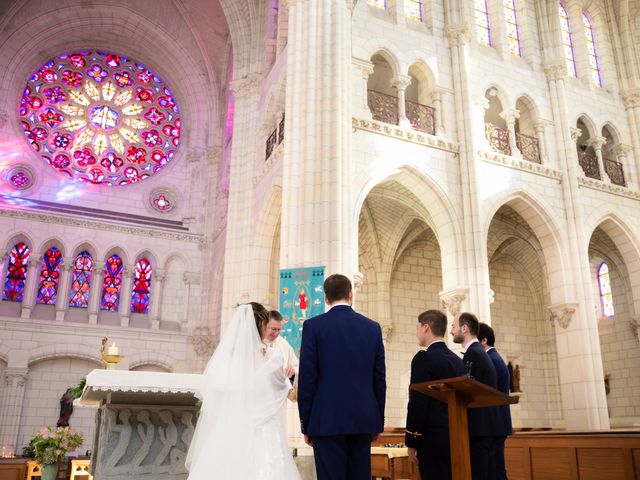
(100,118)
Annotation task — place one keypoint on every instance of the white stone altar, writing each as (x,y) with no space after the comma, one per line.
(144,423)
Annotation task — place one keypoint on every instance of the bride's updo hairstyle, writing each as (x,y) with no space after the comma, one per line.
(261,315)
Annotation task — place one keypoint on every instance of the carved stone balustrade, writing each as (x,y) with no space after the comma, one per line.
(272,141)
(384,108)
(615,171)
(144,423)
(589,164)
(498,138)
(422,117)
(528,146)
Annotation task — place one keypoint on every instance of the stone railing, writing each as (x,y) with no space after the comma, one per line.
(422,117)
(615,171)
(383,107)
(589,164)
(528,146)
(498,138)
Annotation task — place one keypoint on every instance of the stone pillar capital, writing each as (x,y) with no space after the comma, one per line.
(621,150)
(482,102)
(67,264)
(458,35)
(213,154)
(387,330)
(15,377)
(597,142)
(510,115)
(562,313)
(631,97)
(202,341)
(160,274)
(191,278)
(401,82)
(358,280)
(541,125)
(451,300)
(246,86)
(365,66)
(555,69)
(575,133)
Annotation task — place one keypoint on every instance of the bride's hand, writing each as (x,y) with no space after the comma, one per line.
(289,371)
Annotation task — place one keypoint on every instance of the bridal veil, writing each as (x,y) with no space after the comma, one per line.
(241,390)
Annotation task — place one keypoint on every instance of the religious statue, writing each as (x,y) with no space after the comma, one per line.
(105,345)
(66,408)
(516,379)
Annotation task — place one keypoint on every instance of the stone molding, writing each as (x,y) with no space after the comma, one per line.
(365,66)
(622,149)
(458,34)
(274,158)
(562,313)
(406,134)
(202,341)
(108,227)
(634,323)
(451,300)
(594,184)
(520,164)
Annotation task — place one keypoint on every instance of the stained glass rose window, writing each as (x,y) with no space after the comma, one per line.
(100,117)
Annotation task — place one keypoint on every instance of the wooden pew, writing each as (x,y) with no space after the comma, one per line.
(13,468)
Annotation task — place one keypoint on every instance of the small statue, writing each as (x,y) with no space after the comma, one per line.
(66,408)
(510,368)
(516,379)
(105,345)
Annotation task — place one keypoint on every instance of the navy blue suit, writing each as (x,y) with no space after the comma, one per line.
(427,418)
(504,380)
(341,391)
(484,423)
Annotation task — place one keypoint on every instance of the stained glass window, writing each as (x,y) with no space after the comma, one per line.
(141,287)
(378,3)
(81,280)
(100,117)
(16,276)
(591,47)
(49,277)
(413,9)
(513,34)
(567,41)
(604,284)
(483,32)
(111,284)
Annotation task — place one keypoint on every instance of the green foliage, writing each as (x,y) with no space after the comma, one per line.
(76,390)
(51,444)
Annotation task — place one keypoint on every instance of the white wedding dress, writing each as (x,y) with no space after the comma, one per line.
(240,435)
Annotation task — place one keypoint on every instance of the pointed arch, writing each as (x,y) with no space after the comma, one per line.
(264,249)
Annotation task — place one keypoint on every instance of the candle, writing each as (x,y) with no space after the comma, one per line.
(112,350)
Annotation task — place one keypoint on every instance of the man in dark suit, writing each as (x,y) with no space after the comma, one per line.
(341,385)
(487,339)
(484,423)
(427,433)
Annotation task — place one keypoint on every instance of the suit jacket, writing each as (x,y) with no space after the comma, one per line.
(504,380)
(341,384)
(483,422)
(427,418)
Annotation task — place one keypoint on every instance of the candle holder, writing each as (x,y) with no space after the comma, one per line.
(111,361)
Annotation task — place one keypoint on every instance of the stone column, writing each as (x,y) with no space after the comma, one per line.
(400,84)
(366,69)
(631,101)
(126,290)
(191,279)
(238,276)
(62,300)
(95,295)
(11,402)
(156,293)
(540,127)
(31,285)
(580,366)
(438,106)
(621,151)
(510,115)
(318,226)
(3,270)
(597,144)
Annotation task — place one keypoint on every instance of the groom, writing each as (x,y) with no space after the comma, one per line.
(341,385)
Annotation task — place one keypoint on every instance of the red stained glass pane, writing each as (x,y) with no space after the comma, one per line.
(141,287)
(81,282)
(49,277)
(16,276)
(111,284)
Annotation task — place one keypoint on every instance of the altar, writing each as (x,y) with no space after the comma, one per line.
(144,423)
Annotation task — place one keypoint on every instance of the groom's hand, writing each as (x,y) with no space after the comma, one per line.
(308,440)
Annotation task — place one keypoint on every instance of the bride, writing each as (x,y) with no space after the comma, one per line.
(239,434)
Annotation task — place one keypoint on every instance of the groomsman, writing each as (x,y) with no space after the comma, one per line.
(487,339)
(484,423)
(427,432)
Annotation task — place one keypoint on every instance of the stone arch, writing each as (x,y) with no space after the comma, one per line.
(66,350)
(116,250)
(526,123)
(87,246)
(628,245)
(423,83)
(545,227)
(149,255)
(53,241)
(586,120)
(17,238)
(163,362)
(441,214)
(385,50)
(500,93)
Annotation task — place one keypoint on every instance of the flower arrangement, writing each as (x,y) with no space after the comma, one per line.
(52,444)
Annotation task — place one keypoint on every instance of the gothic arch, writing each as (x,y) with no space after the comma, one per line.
(266,231)
(546,230)
(148,358)
(51,242)
(66,350)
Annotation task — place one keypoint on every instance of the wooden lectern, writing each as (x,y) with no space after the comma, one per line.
(460,393)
